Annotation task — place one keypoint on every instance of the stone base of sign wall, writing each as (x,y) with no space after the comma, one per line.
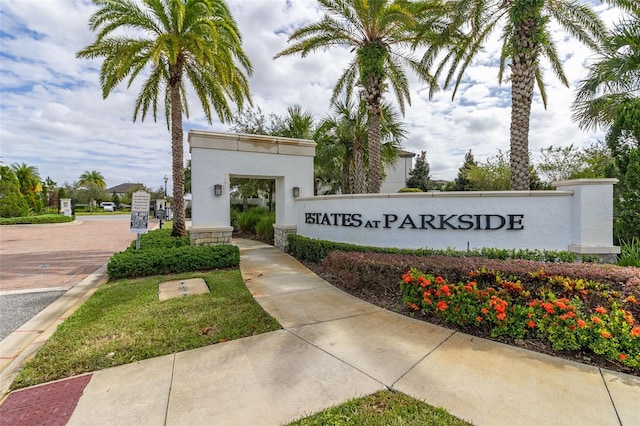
(211,236)
(280,233)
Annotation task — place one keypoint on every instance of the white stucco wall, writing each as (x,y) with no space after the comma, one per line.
(578,218)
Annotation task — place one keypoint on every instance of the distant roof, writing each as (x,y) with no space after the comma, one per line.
(124,187)
(404,153)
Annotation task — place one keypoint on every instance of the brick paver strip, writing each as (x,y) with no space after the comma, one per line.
(46,256)
(48,404)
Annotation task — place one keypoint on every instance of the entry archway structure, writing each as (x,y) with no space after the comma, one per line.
(216,157)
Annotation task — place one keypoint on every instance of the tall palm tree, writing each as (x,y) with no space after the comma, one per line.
(92,177)
(173,42)
(613,79)
(526,40)
(382,34)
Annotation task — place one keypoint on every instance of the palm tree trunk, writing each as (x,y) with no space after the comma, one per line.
(373,89)
(359,175)
(177,153)
(523,79)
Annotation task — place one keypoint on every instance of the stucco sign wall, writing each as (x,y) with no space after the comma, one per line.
(561,219)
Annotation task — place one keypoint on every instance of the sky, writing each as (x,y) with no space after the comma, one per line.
(53,116)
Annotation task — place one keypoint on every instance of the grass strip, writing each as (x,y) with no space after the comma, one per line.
(124,322)
(384,408)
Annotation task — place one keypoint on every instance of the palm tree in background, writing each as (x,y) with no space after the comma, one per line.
(526,40)
(30,185)
(382,34)
(92,177)
(613,80)
(343,139)
(175,42)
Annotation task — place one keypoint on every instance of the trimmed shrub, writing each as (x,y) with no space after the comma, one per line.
(311,250)
(132,263)
(31,220)
(248,220)
(264,228)
(160,238)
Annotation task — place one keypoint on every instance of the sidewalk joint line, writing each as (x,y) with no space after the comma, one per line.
(339,359)
(173,369)
(613,404)
(423,358)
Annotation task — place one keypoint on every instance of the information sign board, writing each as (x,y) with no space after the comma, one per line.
(140,212)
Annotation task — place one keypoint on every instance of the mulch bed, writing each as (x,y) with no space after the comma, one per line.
(392,301)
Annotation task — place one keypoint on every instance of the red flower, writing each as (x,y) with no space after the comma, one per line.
(484,311)
(441,305)
(446,290)
(635,331)
(479,319)
(548,307)
(531,324)
(601,310)
(439,280)
(473,284)
(423,281)
(581,324)
(406,278)
(501,316)
(596,320)
(622,357)
(560,304)
(632,299)
(605,334)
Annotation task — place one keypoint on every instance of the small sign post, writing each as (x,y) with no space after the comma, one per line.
(139,214)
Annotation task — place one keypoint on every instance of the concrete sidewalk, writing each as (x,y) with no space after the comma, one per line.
(333,347)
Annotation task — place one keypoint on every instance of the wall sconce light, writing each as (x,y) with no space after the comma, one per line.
(217,189)
(296,192)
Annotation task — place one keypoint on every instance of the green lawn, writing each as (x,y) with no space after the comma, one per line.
(383,409)
(124,322)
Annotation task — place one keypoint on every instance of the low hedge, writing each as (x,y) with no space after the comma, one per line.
(382,272)
(311,250)
(33,220)
(171,260)
(160,238)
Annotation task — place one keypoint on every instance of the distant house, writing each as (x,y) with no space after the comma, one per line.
(124,188)
(397,173)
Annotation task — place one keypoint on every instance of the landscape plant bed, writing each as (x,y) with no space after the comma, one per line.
(587,299)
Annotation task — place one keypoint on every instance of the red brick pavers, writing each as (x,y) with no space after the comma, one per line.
(61,255)
(48,404)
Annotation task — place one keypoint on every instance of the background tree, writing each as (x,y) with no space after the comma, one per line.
(12,202)
(92,184)
(382,35)
(494,174)
(559,163)
(461,183)
(30,186)
(526,39)
(174,39)
(419,175)
(92,177)
(613,79)
(49,196)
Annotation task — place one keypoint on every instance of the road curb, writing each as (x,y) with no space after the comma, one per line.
(24,342)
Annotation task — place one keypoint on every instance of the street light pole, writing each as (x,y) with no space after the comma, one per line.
(166,178)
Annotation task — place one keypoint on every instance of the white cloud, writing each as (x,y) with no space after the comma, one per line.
(52,114)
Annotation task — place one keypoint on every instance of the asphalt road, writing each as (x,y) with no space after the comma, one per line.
(39,263)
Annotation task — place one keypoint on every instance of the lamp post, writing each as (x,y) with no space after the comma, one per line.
(166,178)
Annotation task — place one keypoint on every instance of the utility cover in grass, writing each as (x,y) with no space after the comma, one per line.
(182,288)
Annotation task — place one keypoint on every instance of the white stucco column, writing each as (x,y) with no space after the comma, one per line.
(592,215)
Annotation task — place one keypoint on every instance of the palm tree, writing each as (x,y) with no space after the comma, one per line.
(526,40)
(382,33)
(614,79)
(92,178)
(30,185)
(343,139)
(177,41)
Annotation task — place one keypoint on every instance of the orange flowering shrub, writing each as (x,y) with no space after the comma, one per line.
(506,308)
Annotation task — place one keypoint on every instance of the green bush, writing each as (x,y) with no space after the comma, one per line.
(630,253)
(160,238)
(30,220)
(171,260)
(264,228)
(410,190)
(311,250)
(248,220)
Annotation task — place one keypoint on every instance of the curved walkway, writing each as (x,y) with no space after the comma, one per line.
(334,347)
